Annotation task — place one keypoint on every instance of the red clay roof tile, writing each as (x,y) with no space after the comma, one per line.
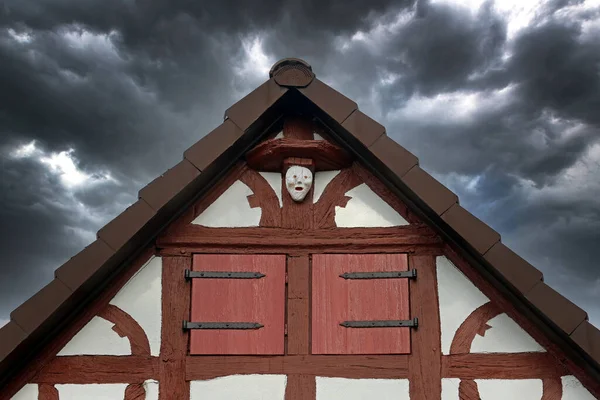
(335,104)
(394,156)
(43,306)
(522,275)
(432,192)
(472,229)
(566,315)
(129,223)
(246,111)
(210,147)
(587,336)
(84,264)
(11,335)
(164,188)
(364,128)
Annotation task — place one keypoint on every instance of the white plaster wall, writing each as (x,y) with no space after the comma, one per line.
(362,389)
(27,392)
(240,387)
(141,299)
(104,391)
(574,390)
(316,136)
(458,298)
(505,336)
(450,388)
(366,209)
(151,387)
(322,179)
(279,135)
(274,180)
(514,389)
(231,209)
(97,338)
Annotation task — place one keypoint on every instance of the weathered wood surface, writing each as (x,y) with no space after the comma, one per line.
(335,299)
(345,366)
(298,305)
(300,387)
(264,197)
(174,340)
(99,369)
(468,390)
(135,392)
(425,365)
(501,366)
(475,324)
(334,196)
(269,155)
(239,300)
(47,392)
(553,389)
(126,326)
(290,239)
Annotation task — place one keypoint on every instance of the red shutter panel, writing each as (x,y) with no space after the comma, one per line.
(335,300)
(239,300)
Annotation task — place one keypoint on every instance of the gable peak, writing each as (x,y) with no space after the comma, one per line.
(292,72)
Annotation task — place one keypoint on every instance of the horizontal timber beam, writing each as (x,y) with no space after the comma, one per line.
(186,251)
(502,366)
(411,236)
(386,366)
(98,369)
(137,369)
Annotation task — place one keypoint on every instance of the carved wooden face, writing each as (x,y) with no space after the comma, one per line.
(298,182)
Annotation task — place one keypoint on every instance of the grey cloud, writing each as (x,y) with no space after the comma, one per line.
(41,228)
(558,69)
(132,112)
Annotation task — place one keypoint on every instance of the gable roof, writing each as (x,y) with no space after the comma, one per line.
(292,86)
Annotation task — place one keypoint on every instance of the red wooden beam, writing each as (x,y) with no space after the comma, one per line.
(99,369)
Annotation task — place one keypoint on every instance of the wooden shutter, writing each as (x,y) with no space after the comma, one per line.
(335,300)
(239,300)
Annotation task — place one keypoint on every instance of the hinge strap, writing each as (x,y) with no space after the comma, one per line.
(411,323)
(221,325)
(412,274)
(222,275)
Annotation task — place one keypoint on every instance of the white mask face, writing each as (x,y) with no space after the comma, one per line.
(298,182)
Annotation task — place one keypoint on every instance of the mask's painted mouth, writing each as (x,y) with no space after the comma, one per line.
(299,188)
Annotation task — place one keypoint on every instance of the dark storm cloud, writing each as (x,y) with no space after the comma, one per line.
(444,46)
(41,226)
(437,50)
(559,69)
(128,85)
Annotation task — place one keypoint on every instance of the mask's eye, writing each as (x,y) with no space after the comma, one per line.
(294,176)
(306,177)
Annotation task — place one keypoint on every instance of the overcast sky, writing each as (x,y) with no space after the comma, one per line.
(499,100)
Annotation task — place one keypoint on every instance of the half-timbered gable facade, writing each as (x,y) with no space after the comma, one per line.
(298,253)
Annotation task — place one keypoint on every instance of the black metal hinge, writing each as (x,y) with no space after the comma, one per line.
(411,323)
(221,325)
(222,275)
(380,275)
